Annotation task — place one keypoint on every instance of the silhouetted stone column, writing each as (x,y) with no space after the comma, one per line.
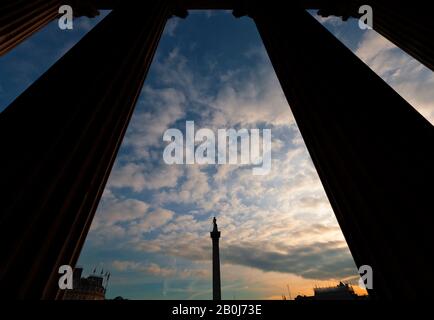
(408,24)
(20,19)
(374,153)
(59,140)
(216,282)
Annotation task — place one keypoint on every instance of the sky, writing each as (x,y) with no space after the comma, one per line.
(151,229)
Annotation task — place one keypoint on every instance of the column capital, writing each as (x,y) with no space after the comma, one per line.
(252,8)
(178,9)
(339,8)
(81,8)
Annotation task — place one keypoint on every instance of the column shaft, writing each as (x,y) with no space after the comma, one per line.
(216,293)
(59,140)
(408,24)
(372,150)
(20,19)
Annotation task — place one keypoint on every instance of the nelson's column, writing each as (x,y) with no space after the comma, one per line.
(215,236)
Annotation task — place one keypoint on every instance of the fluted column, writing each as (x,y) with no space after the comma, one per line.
(59,140)
(408,24)
(373,152)
(19,19)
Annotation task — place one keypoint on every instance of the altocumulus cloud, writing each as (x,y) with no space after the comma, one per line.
(156,270)
(281,222)
(284,214)
(329,260)
(406,75)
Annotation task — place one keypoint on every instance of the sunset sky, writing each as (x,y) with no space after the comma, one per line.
(151,230)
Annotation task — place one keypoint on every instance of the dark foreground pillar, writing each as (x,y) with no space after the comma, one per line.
(408,24)
(20,19)
(374,153)
(58,141)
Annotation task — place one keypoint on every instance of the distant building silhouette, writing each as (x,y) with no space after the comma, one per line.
(90,288)
(342,291)
(216,286)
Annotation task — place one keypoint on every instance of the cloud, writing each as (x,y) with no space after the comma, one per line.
(114,211)
(182,224)
(157,109)
(155,270)
(111,217)
(163,176)
(194,189)
(318,260)
(406,75)
(272,241)
(171,26)
(125,265)
(330,20)
(138,177)
(245,96)
(153,220)
(248,101)
(130,175)
(149,269)
(281,222)
(321,261)
(120,219)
